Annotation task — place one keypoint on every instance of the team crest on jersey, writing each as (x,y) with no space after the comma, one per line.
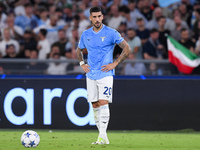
(102,38)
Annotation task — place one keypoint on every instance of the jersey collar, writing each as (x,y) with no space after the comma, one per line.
(99,30)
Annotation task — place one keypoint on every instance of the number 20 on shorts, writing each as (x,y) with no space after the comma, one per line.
(108,90)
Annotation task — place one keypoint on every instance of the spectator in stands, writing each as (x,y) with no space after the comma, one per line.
(54,49)
(104,5)
(142,32)
(188,5)
(153,23)
(16,32)
(74,42)
(122,28)
(92,4)
(140,5)
(117,2)
(61,42)
(197,47)
(130,17)
(152,48)
(61,21)
(193,16)
(52,29)
(34,68)
(44,20)
(146,10)
(83,22)
(11,68)
(125,12)
(29,41)
(116,18)
(11,52)
(172,25)
(56,68)
(19,7)
(7,40)
(85,4)
(74,24)
(27,53)
(136,68)
(52,9)
(3,17)
(163,32)
(27,21)
(43,45)
(135,43)
(197,16)
(186,41)
(154,69)
(185,13)
(67,10)
(132,6)
(179,24)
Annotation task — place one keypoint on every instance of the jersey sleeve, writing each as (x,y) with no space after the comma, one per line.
(117,37)
(81,44)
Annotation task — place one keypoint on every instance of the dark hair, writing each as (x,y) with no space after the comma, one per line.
(61,30)
(139,19)
(96,9)
(27,5)
(124,9)
(42,9)
(183,29)
(58,9)
(197,10)
(161,17)
(132,1)
(43,32)
(34,50)
(27,31)
(131,29)
(76,17)
(10,45)
(153,30)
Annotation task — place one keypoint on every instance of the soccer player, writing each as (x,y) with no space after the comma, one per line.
(99,40)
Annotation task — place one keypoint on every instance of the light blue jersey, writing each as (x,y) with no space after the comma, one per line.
(100,46)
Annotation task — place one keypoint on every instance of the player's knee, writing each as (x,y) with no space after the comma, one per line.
(95,104)
(103,102)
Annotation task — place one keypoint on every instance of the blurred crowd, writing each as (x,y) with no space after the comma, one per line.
(50,29)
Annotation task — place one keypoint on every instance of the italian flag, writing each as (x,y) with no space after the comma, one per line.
(181,57)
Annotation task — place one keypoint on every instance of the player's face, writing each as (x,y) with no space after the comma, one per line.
(96,19)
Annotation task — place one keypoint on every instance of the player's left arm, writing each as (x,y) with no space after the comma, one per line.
(125,52)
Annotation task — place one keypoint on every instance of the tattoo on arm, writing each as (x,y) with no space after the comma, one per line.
(79,54)
(125,51)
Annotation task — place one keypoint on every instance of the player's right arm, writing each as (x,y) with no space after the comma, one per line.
(79,55)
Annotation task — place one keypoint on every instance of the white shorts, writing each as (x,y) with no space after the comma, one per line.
(100,89)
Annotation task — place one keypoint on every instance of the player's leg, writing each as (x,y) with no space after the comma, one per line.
(103,121)
(93,98)
(105,96)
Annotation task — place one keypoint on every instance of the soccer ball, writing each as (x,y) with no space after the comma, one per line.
(30,138)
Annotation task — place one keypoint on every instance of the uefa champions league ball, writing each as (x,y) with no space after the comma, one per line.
(30,138)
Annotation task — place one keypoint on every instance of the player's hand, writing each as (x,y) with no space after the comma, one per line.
(85,67)
(106,68)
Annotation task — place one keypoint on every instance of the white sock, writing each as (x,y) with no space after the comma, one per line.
(96,116)
(103,121)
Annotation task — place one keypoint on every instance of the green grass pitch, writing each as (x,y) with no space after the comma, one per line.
(119,140)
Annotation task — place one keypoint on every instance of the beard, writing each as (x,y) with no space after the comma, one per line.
(97,25)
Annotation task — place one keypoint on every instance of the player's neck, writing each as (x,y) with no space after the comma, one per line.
(97,29)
